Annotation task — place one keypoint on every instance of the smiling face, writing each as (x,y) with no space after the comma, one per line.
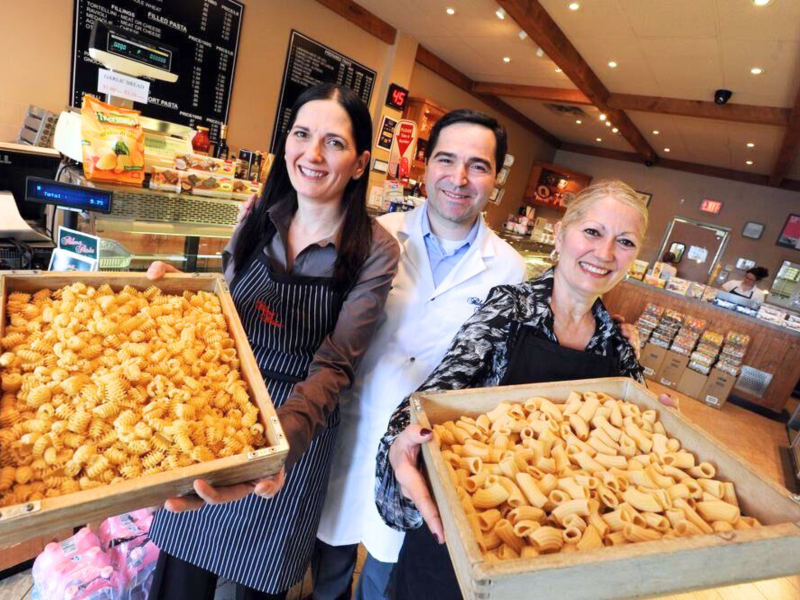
(321,154)
(460,175)
(597,249)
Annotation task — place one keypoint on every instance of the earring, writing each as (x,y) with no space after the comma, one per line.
(554,255)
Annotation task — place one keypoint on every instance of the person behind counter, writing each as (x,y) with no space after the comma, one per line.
(309,274)
(747,287)
(553,328)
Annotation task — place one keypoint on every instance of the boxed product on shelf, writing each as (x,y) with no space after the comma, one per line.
(166,179)
(709,293)
(770,314)
(638,269)
(206,164)
(207,184)
(678,285)
(157,347)
(792,322)
(672,368)
(655,281)
(696,290)
(718,387)
(243,190)
(486,568)
(688,335)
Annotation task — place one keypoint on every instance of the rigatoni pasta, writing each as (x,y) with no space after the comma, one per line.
(592,472)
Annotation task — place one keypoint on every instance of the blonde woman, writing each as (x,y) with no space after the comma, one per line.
(553,328)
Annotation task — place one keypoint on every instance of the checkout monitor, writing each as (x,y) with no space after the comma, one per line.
(17,163)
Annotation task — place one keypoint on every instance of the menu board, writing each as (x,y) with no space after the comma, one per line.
(309,63)
(206,34)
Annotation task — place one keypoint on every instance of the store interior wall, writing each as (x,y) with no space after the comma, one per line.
(523,145)
(679,194)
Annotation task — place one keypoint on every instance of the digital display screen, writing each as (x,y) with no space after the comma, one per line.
(397,96)
(161,59)
(47,191)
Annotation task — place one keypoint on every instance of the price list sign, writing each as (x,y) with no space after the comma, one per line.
(309,63)
(206,34)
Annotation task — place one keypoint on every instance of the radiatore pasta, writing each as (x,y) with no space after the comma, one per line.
(539,478)
(99,387)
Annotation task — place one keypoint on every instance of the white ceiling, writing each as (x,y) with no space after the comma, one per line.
(671,48)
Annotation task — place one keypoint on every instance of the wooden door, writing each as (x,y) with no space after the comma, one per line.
(702,245)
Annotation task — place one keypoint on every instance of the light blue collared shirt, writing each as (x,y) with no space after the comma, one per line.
(442,262)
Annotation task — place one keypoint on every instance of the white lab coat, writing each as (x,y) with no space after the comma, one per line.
(419,323)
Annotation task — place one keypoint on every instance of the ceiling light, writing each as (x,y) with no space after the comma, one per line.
(522,34)
(558,70)
(599,139)
(578,121)
(574,6)
(666,149)
(748,162)
(756,71)
(761,2)
(615,130)
(602,117)
(751,145)
(539,52)
(612,64)
(656,132)
(608,123)
(501,14)
(506,59)
(451,11)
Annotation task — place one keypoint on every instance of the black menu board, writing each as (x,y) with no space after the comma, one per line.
(206,34)
(309,63)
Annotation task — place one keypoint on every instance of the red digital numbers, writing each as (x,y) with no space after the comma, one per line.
(396,98)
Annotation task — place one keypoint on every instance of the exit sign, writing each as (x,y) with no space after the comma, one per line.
(711,206)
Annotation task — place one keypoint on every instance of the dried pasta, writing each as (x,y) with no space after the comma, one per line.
(539,477)
(98,386)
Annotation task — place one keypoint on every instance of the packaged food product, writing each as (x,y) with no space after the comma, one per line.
(198,162)
(713,338)
(243,189)
(168,180)
(207,184)
(699,367)
(696,290)
(113,143)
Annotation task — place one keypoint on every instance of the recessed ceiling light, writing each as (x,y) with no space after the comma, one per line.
(612,64)
(756,71)
(451,11)
(506,59)
(748,162)
(558,70)
(666,149)
(615,130)
(578,121)
(751,145)
(599,139)
(761,2)
(501,14)
(522,34)
(608,123)
(602,117)
(656,132)
(574,6)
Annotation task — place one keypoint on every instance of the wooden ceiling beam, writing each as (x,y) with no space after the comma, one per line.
(532,92)
(679,165)
(737,113)
(360,16)
(531,16)
(789,147)
(430,61)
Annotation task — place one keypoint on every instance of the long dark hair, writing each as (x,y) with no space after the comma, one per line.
(356,236)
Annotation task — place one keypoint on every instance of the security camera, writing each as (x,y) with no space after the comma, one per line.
(722,96)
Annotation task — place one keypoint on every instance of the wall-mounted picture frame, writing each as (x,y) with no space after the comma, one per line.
(502,176)
(645,197)
(753,230)
(386,133)
(496,196)
(789,236)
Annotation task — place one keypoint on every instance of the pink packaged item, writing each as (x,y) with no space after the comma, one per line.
(133,555)
(76,569)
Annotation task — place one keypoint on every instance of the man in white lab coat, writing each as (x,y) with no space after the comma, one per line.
(450,260)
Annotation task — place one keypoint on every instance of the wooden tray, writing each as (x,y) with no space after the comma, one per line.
(24,521)
(629,571)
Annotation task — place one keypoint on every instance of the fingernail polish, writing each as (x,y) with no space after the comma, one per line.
(425,431)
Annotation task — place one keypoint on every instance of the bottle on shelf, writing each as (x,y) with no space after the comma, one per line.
(221,149)
(201,143)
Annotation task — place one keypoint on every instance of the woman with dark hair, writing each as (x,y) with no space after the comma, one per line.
(747,287)
(309,274)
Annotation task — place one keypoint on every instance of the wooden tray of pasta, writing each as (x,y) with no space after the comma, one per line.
(597,491)
(118,393)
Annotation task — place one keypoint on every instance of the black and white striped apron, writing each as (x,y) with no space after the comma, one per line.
(267,544)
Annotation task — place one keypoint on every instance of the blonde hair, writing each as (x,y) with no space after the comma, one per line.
(613,188)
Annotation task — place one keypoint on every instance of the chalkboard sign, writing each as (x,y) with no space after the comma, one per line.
(309,63)
(206,34)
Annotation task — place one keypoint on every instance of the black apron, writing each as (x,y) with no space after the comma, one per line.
(423,568)
(267,544)
(741,294)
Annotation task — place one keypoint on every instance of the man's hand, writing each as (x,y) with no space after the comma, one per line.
(267,487)
(158,269)
(403,456)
